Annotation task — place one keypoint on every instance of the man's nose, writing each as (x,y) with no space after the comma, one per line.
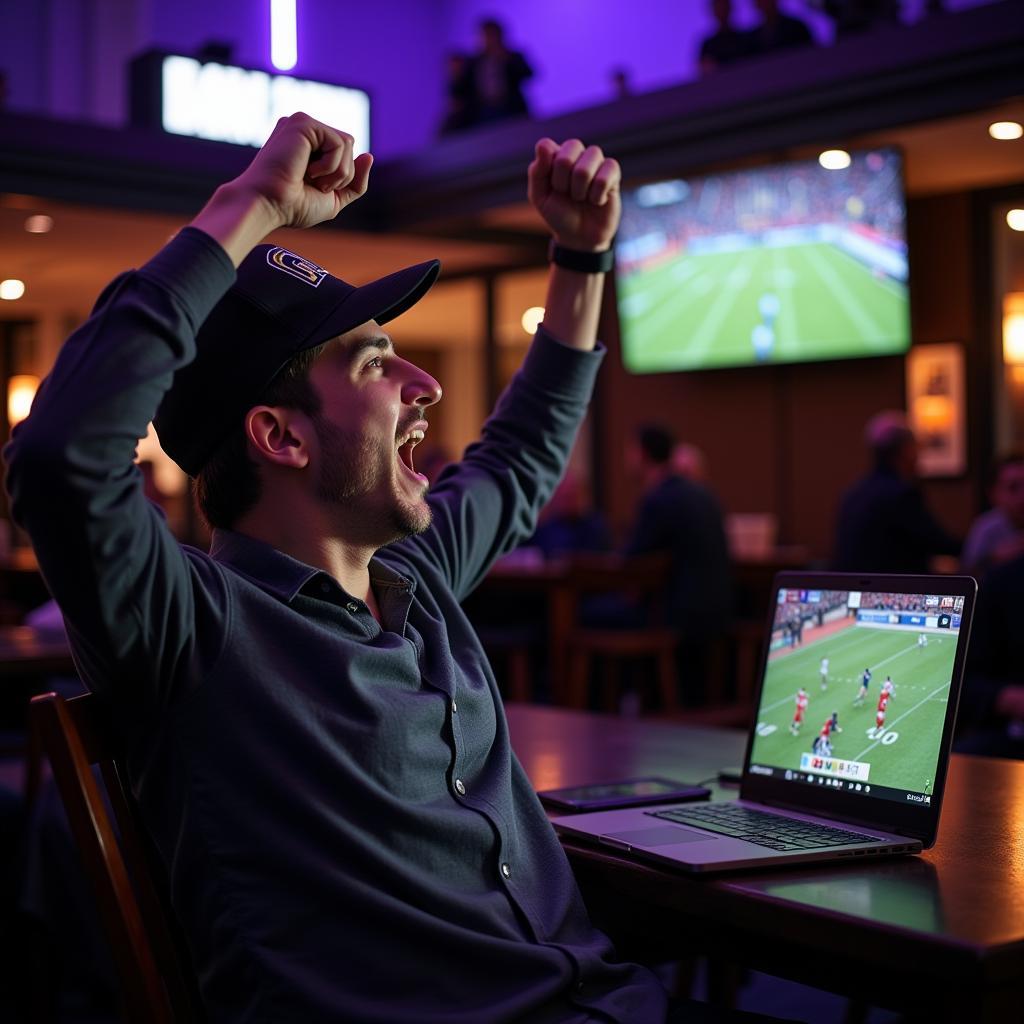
(420,388)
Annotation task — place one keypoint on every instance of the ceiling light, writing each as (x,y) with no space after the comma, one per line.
(532,318)
(38,224)
(834,159)
(1015,218)
(1005,130)
(12,289)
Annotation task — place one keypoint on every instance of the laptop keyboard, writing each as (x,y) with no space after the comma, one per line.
(761,828)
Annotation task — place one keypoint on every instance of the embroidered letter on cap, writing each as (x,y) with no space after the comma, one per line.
(305,271)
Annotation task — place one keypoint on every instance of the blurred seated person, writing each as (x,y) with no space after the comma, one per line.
(688,462)
(570,523)
(991,716)
(884,524)
(683,518)
(727,44)
(491,83)
(777,31)
(998,534)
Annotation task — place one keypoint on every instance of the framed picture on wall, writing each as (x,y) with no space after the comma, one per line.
(937,407)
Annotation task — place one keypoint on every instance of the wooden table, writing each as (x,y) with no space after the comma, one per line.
(941,934)
(26,653)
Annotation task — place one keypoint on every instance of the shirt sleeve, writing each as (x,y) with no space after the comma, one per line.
(126,588)
(488,503)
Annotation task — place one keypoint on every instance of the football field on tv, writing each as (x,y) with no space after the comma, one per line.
(904,756)
(702,310)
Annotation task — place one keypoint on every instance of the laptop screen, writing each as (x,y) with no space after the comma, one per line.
(856,690)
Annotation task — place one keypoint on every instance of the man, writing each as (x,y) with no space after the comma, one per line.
(990,719)
(883,703)
(865,680)
(491,83)
(798,711)
(888,687)
(998,535)
(777,30)
(684,519)
(313,734)
(824,673)
(727,44)
(884,524)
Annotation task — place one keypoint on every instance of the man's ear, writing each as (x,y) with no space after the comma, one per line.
(281,436)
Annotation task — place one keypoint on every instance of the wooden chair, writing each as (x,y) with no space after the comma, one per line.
(157,985)
(643,579)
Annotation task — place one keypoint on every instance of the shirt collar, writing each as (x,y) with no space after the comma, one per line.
(280,574)
(271,570)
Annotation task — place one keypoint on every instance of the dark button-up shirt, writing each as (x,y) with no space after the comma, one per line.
(347,833)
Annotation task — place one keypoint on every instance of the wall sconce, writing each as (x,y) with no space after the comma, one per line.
(21,390)
(1013,334)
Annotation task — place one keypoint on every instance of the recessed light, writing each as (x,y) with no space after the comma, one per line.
(1015,218)
(834,159)
(38,224)
(1006,130)
(12,289)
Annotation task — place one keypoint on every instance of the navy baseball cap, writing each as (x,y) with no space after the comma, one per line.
(280,305)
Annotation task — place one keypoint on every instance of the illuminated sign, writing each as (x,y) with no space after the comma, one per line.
(225,103)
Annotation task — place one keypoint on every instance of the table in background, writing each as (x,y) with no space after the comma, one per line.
(940,934)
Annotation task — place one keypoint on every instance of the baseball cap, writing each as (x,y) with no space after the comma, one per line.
(279,305)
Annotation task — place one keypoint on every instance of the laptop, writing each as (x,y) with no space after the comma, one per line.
(847,754)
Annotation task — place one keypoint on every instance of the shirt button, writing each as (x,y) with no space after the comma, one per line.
(506,870)
(460,787)
(352,607)
(455,708)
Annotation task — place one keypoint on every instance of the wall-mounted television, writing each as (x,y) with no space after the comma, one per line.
(776,264)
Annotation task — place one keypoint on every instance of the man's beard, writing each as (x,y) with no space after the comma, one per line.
(352,466)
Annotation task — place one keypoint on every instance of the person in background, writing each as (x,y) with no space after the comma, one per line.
(884,524)
(998,534)
(688,462)
(853,17)
(491,82)
(458,114)
(990,719)
(621,83)
(777,30)
(726,45)
(682,517)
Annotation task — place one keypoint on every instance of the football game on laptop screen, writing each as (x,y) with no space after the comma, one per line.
(855,691)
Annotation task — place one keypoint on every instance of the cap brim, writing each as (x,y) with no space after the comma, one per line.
(381,300)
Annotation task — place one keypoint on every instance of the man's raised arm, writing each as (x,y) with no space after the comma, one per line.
(575,188)
(127,591)
(305,174)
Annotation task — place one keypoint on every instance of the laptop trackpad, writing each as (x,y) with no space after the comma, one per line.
(659,836)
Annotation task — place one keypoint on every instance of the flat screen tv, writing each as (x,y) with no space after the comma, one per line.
(777,264)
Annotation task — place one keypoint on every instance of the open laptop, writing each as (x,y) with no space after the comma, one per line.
(833,768)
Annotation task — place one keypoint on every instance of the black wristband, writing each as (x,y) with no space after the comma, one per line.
(581,262)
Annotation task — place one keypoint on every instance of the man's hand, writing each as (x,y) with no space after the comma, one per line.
(575,188)
(304,174)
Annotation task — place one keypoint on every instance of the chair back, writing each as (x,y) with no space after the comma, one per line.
(157,986)
(640,578)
